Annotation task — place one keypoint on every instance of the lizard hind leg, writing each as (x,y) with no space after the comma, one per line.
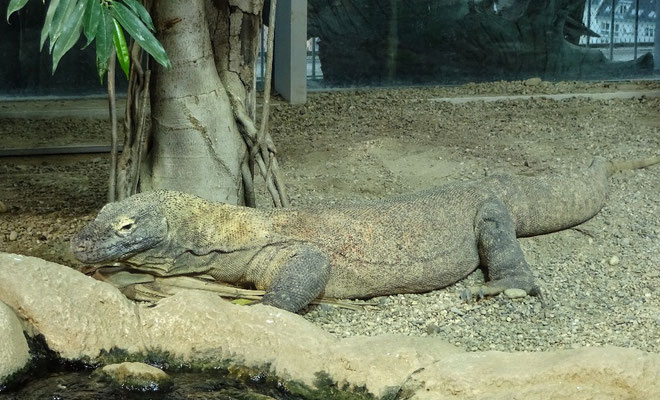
(500,253)
(300,279)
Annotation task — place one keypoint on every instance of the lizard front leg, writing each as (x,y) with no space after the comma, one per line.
(500,252)
(297,275)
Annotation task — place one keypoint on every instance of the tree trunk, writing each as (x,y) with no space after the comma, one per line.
(449,41)
(195,145)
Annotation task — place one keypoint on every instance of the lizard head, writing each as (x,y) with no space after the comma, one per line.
(121,230)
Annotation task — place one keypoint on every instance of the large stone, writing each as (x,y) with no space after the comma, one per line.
(14,353)
(77,315)
(80,317)
(292,347)
(383,363)
(586,373)
(136,376)
(194,325)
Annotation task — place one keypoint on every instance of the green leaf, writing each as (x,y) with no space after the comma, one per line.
(141,12)
(139,32)
(63,11)
(91,19)
(15,5)
(104,33)
(48,22)
(69,32)
(122,48)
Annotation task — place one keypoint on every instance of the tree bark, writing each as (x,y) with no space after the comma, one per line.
(196,146)
(135,117)
(235,32)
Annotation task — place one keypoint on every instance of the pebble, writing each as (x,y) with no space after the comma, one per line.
(456,311)
(3,207)
(135,376)
(515,293)
(614,260)
(533,82)
(432,329)
(13,235)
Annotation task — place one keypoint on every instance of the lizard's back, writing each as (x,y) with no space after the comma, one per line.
(419,242)
(412,243)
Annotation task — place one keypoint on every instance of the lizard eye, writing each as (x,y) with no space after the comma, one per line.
(124,227)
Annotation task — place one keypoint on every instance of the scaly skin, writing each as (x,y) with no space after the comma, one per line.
(409,244)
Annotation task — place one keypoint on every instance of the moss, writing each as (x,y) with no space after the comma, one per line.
(326,388)
(160,359)
(135,382)
(16,379)
(138,384)
(42,360)
(260,378)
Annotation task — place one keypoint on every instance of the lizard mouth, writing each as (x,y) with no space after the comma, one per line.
(96,254)
(150,266)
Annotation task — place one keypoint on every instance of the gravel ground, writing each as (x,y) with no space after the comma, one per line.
(600,279)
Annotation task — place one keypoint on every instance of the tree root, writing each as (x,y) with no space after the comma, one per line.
(135,136)
(261,148)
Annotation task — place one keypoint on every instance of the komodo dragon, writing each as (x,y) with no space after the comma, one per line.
(408,244)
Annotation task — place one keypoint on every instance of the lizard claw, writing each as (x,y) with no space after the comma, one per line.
(470,293)
(493,288)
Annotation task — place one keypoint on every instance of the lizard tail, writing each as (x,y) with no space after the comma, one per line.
(624,165)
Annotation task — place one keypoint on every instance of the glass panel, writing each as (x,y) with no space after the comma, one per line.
(397,42)
(402,42)
(26,71)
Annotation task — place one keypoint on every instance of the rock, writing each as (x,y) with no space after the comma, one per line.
(80,317)
(456,311)
(533,81)
(515,293)
(228,322)
(614,260)
(14,353)
(585,373)
(3,207)
(433,329)
(136,376)
(13,235)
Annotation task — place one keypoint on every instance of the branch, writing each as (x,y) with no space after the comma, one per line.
(269,75)
(113,118)
(275,184)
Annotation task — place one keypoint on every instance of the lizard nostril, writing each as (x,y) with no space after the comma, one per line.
(77,247)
